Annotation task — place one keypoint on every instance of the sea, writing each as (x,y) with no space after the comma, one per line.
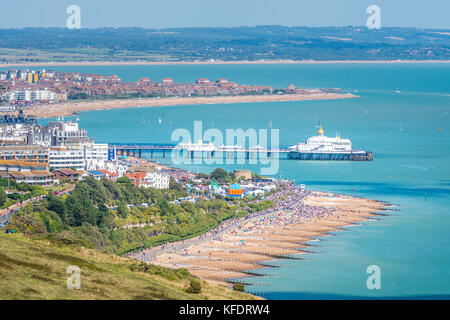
(401,115)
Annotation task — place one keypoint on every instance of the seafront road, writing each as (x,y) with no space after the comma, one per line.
(6,213)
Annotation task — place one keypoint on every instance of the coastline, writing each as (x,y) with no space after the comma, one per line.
(245,247)
(158,63)
(73,108)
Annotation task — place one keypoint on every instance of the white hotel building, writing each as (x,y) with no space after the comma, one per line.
(89,157)
(29,95)
(64,158)
(156,180)
(96,156)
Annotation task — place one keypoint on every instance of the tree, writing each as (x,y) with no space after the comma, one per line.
(173,185)
(57,205)
(124,180)
(122,210)
(112,188)
(164,207)
(201,176)
(3,197)
(218,174)
(75,211)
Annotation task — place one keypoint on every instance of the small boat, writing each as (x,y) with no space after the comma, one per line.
(397,91)
(440,130)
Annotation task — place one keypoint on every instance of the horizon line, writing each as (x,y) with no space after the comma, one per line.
(224,27)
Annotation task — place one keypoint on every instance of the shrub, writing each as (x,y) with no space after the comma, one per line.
(67,237)
(238,287)
(194,287)
(30,224)
(168,274)
(3,197)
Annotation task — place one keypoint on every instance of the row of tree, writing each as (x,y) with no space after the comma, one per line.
(92,216)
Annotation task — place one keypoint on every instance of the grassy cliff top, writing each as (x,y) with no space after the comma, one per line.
(36,269)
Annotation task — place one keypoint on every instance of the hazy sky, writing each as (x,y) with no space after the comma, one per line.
(226,13)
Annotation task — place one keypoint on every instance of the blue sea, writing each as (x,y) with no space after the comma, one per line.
(411,166)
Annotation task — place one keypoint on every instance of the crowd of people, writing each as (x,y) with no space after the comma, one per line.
(287,208)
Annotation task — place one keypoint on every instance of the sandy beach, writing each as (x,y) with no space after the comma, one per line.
(214,62)
(237,251)
(72,108)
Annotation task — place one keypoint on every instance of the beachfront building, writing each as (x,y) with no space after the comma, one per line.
(41,178)
(17,119)
(97,175)
(222,81)
(29,95)
(58,133)
(96,156)
(167,81)
(67,132)
(43,136)
(24,153)
(202,81)
(110,175)
(155,180)
(66,175)
(245,174)
(65,158)
(118,167)
(13,134)
(22,166)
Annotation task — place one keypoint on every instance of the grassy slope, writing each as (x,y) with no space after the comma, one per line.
(35,269)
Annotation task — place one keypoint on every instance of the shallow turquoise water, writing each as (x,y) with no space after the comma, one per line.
(411,166)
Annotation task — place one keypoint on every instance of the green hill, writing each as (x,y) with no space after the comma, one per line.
(36,269)
(228,44)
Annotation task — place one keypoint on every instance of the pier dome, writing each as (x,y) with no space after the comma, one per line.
(320,132)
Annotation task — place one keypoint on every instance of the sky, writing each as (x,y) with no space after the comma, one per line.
(223,13)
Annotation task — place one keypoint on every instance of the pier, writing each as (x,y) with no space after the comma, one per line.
(136,150)
(354,155)
(255,153)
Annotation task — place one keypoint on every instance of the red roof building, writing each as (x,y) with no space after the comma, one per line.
(202,81)
(137,178)
(167,81)
(110,175)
